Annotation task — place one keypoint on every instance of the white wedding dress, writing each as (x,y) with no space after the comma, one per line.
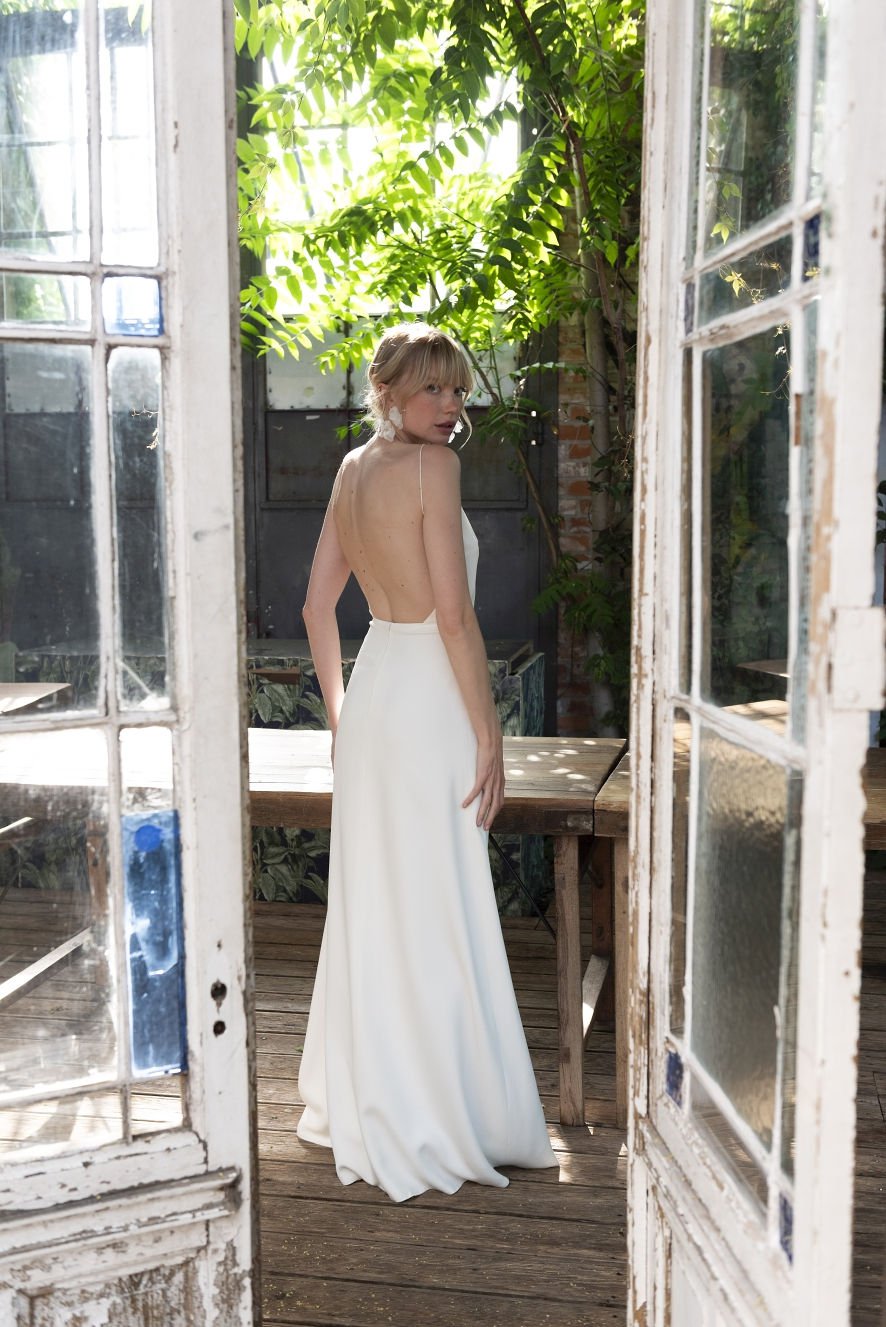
(415,1068)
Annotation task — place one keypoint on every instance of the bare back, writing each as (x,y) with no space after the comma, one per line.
(377,510)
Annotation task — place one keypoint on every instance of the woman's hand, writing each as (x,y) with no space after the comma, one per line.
(489,785)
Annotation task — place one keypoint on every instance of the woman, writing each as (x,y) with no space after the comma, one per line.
(415,1067)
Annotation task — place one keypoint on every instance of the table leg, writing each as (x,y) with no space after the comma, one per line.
(566,881)
(622,977)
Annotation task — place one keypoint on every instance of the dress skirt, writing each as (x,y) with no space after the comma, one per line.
(415,1069)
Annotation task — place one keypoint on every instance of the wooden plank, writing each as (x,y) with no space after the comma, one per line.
(22,695)
(307,1300)
(601,921)
(875,792)
(379,1222)
(612,803)
(552,1197)
(550,783)
(550,1277)
(569,976)
(36,972)
(620,867)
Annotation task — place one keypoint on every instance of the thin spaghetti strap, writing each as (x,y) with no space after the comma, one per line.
(421,496)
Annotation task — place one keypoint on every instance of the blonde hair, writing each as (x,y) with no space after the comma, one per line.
(409,357)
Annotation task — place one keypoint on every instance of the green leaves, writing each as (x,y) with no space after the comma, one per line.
(475,161)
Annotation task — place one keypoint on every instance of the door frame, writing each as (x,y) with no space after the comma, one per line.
(155,1202)
(743,1277)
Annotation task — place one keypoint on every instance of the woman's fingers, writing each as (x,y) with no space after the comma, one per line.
(490,790)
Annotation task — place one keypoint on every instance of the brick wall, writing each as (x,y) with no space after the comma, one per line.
(574,704)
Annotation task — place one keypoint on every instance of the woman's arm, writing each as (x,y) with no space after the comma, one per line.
(457,623)
(329,576)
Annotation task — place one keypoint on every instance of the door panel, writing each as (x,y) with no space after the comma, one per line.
(125,1114)
(755,542)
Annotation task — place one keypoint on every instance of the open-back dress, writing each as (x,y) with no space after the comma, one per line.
(415,1069)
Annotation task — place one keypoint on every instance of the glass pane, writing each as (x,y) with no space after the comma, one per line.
(57,1002)
(800,670)
(129,194)
(45,300)
(158,1104)
(749,280)
(684,664)
(135,392)
(741,1162)
(746,443)
(821,48)
(737,923)
(48,605)
(679,868)
(750,114)
(74,1123)
(789,980)
(146,769)
(152,888)
(44,190)
(131,306)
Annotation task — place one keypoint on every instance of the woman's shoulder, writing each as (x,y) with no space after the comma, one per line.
(442,461)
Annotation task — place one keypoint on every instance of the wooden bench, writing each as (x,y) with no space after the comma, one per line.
(551,787)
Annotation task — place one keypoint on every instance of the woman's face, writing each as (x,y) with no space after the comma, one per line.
(431,413)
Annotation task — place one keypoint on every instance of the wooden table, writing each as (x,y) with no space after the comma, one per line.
(21,695)
(551,784)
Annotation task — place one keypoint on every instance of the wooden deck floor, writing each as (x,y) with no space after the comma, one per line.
(548,1250)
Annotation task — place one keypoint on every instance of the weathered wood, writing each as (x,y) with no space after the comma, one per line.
(601,921)
(612,803)
(620,860)
(439,1229)
(294,1299)
(569,980)
(549,1278)
(483,1254)
(875,792)
(550,782)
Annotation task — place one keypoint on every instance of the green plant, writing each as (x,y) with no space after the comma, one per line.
(429,216)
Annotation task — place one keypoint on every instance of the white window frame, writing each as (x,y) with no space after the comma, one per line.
(187,1192)
(680,1199)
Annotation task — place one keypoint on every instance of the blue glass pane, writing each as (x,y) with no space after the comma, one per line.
(154,933)
(786,1226)
(811,241)
(131,306)
(674,1077)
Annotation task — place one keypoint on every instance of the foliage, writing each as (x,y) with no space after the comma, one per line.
(374,182)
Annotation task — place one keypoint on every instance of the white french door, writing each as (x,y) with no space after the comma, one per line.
(757,652)
(125,1112)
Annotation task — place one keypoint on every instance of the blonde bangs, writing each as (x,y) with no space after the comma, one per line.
(438,361)
(413,356)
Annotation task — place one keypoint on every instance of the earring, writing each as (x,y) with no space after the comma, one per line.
(386,430)
(395,417)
